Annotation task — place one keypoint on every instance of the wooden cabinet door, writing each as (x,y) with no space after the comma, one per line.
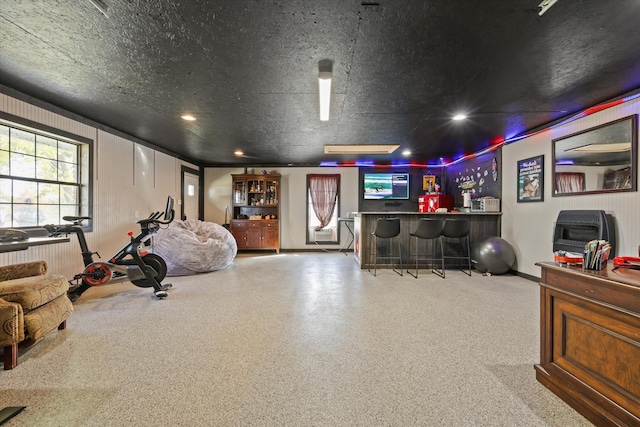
(239,192)
(271,194)
(239,232)
(254,236)
(271,235)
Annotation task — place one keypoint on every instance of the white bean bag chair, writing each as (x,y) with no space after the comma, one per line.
(193,246)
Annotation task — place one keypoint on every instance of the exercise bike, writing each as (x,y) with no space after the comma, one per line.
(131,263)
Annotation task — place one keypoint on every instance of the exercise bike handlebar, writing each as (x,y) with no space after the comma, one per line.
(76,221)
(155,218)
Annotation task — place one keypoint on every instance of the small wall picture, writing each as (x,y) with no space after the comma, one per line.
(429,183)
(531,179)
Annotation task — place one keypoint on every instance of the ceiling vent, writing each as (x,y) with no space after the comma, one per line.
(372,6)
(605,147)
(361,149)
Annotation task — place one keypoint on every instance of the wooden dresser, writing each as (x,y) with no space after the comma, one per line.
(255,222)
(590,341)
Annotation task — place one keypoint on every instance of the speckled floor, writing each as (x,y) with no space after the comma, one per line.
(296,339)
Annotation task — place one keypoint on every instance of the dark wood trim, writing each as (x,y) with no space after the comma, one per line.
(526,276)
(185,169)
(308,241)
(86,149)
(633,122)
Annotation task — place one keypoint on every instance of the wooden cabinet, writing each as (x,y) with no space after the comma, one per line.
(256,211)
(590,341)
(256,234)
(271,235)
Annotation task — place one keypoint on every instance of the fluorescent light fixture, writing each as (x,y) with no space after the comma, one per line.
(324,82)
(545,5)
(188,117)
(459,117)
(101,6)
(614,147)
(361,149)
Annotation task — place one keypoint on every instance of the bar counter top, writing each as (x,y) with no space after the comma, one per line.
(429,213)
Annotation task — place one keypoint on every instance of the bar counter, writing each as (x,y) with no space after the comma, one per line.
(482,224)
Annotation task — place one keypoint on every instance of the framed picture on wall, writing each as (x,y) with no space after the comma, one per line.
(531,179)
(429,183)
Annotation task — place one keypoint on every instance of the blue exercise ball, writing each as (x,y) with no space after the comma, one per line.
(493,255)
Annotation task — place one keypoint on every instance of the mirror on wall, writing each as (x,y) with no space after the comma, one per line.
(601,159)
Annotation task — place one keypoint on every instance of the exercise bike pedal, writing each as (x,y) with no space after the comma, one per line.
(161,294)
(73,297)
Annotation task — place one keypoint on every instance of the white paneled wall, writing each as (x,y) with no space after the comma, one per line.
(110,209)
(217,193)
(39,115)
(166,176)
(130,181)
(529,226)
(293,198)
(144,166)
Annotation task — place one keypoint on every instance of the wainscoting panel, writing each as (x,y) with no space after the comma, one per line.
(130,181)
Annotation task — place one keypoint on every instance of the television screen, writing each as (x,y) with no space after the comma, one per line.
(386,186)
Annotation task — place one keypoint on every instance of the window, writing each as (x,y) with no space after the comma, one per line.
(41,176)
(322,208)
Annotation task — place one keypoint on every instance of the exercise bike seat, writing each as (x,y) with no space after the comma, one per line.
(75,218)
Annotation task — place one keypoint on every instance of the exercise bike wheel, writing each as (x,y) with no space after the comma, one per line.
(96,274)
(157,263)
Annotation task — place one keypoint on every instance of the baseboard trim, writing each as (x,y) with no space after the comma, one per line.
(527,276)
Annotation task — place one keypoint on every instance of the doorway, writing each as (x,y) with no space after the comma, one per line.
(190,194)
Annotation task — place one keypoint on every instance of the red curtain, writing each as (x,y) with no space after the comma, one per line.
(570,182)
(323,190)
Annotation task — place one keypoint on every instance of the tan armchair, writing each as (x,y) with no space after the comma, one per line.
(32,304)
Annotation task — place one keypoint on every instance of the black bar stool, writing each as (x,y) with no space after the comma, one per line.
(458,229)
(428,229)
(387,228)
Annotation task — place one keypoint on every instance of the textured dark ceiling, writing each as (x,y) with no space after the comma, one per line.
(248,70)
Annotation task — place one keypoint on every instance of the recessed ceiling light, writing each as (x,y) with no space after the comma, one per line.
(406,153)
(188,117)
(238,153)
(459,117)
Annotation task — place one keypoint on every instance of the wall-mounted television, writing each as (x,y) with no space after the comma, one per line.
(386,186)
